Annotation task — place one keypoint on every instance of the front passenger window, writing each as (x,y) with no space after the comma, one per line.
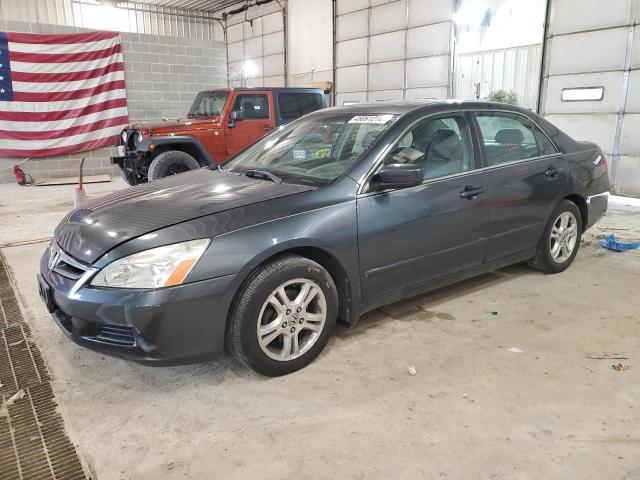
(441,146)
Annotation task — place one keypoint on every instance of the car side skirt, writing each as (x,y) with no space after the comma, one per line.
(422,288)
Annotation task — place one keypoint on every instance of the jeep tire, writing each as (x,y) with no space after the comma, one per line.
(171,162)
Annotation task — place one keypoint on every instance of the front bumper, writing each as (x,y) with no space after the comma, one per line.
(174,325)
(133,165)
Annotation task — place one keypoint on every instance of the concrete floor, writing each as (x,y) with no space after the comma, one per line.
(474,409)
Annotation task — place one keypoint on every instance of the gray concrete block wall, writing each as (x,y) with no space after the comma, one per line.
(162,76)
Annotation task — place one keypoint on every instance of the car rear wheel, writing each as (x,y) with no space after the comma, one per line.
(171,163)
(284,316)
(560,240)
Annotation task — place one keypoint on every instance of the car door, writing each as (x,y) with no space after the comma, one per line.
(411,236)
(525,177)
(255,118)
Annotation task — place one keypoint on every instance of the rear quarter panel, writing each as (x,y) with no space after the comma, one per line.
(586,168)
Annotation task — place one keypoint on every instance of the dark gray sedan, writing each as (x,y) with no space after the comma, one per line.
(340,212)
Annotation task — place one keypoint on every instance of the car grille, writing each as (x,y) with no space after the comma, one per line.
(116,335)
(130,144)
(64,265)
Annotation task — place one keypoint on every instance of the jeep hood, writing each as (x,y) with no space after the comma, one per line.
(175,126)
(92,230)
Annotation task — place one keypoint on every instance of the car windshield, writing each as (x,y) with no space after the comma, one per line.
(208,104)
(315,149)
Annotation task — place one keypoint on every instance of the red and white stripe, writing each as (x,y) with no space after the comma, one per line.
(68,94)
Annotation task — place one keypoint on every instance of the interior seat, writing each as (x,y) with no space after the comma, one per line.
(445,154)
(508,143)
(248,109)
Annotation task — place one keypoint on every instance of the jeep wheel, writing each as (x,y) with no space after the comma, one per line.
(171,163)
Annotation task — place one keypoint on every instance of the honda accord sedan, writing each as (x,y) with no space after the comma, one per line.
(335,214)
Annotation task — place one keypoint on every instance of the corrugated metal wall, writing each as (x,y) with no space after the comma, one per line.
(134,17)
(595,43)
(389,50)
(56,12)
(515,68)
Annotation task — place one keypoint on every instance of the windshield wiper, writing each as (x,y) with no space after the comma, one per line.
(262,174)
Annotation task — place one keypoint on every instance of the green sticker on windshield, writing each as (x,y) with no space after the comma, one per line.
(324,152)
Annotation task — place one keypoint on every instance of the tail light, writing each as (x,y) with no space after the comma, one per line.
(605,163)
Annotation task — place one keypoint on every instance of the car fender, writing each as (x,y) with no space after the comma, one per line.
(329,231)
(185,140)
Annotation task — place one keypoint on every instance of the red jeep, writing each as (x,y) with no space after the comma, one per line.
(220,123)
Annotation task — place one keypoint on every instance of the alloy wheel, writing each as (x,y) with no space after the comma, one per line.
(291,319)
(563,238)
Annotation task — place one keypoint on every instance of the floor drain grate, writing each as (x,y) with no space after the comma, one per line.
(33,440)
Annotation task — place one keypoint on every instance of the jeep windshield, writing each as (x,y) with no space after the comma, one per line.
(316,149)
(208,104)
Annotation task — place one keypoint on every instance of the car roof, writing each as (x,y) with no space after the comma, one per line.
(406,106)
(272,89)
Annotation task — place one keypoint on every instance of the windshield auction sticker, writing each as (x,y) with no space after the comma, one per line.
(381,119)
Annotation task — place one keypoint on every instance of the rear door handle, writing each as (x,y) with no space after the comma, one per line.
(470,192)
(552,171)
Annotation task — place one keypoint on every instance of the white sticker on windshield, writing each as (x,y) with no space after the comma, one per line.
(299,154)
(371,119)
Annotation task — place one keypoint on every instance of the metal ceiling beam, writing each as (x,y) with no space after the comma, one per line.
(202,5)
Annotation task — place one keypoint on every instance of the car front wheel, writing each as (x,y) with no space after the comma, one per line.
(284,316)
(560,240)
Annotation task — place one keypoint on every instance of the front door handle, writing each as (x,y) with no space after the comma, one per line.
(267,127)
(552,171)
(470,192)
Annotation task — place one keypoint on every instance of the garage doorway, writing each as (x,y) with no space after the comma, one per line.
(498,48)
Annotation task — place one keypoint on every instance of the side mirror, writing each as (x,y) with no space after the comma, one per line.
(234,117)
(396,175)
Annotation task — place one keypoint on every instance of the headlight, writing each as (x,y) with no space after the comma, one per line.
(139,137)
(154,268)
(124,136)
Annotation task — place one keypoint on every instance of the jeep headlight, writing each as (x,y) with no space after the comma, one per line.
(154,268)
(123,135)
(139,137)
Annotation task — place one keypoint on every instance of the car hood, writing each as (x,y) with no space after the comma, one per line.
(90,231)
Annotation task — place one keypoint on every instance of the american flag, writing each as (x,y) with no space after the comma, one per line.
(60,94)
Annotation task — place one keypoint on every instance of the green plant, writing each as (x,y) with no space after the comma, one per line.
(503,96)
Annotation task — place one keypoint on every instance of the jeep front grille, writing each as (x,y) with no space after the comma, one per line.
(131,139)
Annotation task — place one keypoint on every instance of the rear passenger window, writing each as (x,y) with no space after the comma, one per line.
(510,137)
(294,105)
(441,146)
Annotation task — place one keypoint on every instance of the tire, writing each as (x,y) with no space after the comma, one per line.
(270,353)
(171,163)
(551,256)
(128,179)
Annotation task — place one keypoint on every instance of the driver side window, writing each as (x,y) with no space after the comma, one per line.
(440,146)
(252,106)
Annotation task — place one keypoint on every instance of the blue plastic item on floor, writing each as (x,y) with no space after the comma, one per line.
(610,243)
